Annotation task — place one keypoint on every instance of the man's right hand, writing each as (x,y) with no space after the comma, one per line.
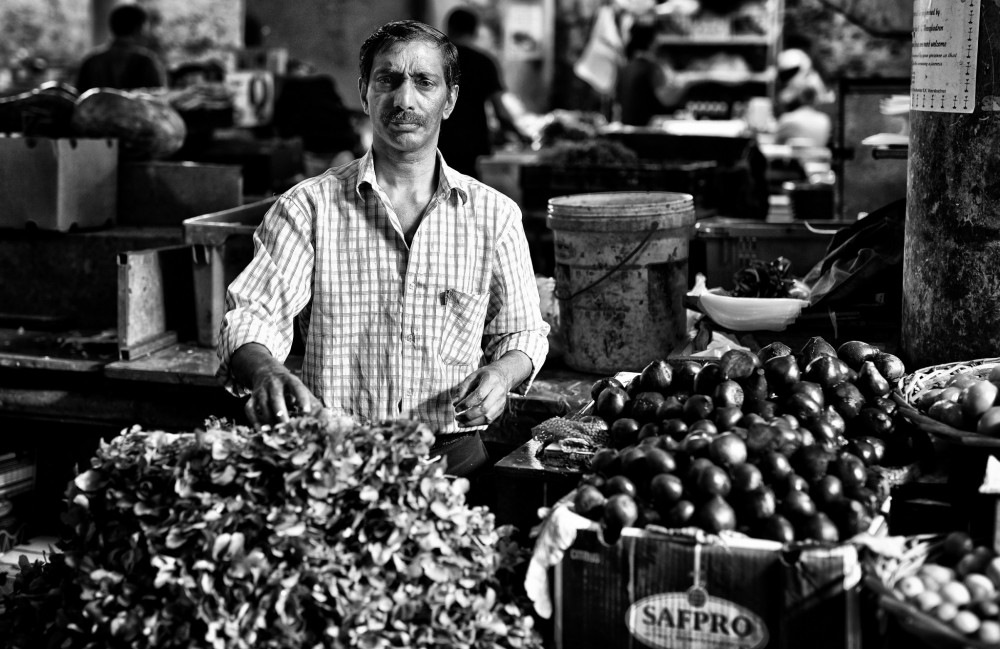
(276,393)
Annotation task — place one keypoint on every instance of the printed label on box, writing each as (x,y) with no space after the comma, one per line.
(695,618)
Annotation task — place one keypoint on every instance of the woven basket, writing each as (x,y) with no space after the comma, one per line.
(912,386)
(881,575)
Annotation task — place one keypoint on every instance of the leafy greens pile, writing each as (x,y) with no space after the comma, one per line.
(317,533)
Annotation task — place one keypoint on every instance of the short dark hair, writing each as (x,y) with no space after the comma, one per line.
(462,22)
(126,20)
(641,36)
(404,31)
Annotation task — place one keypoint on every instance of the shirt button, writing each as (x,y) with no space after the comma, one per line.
(410,338)
(409,392)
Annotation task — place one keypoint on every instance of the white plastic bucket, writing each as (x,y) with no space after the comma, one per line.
(621,275)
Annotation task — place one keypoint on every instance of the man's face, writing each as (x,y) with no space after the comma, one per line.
(407,97)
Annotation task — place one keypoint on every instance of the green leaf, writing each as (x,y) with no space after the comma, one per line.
(90,481)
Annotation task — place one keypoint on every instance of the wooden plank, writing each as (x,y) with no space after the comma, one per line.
(181,364)
(28,361)
(148,346)
(153,287)
(29,349)
(174,411)
(141,312)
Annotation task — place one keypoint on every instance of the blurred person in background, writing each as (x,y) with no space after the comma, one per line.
(795,73)
(804,125)
(124,63)
(465,135)
(645,88)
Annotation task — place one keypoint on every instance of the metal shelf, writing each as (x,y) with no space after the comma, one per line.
(890,152)
(713,41)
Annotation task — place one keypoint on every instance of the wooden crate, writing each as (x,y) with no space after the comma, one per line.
(155,299)
(222,247)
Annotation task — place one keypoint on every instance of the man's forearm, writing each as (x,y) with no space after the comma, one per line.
(515,366)
(249,359)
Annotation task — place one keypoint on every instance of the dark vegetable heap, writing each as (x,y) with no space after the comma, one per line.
(764,279)
(320,533)
(592,153)
(778,445)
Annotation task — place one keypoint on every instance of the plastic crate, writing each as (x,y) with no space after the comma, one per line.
(723,246)
(222,246)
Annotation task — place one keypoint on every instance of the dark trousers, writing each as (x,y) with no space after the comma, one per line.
(464,453)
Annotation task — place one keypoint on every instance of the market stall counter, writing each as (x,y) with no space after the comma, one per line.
(61,393)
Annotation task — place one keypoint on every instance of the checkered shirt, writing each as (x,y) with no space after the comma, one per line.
(389,331)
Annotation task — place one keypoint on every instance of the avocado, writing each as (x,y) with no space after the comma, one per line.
(708,378)
(890,366)
(773,350)
(815,347)
(656,377)
(738,364)
(871,382)
(782,372)
(846,399)
(754,386)
(856,352)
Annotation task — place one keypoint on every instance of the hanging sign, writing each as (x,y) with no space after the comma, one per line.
(945,50)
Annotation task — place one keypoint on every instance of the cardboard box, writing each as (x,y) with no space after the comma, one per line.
(58,184)
(655,591)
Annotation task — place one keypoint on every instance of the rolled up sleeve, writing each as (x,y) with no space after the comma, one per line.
(263,300)
(514,319)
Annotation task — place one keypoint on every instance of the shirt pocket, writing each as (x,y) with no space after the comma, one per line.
(462,334)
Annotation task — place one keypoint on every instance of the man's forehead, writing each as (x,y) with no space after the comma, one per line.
(411,56)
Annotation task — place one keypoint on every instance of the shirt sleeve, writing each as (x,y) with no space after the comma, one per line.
(514,319)
(263,300)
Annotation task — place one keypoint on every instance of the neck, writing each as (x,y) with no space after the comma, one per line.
(412,169)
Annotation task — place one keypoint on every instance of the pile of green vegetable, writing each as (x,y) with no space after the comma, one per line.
(317,533)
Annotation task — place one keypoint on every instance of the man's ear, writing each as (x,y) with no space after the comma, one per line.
(452,98)
(363,90)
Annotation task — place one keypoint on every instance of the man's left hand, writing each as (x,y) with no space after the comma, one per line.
(482,397)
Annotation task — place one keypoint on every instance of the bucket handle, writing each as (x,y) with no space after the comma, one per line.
(642,244)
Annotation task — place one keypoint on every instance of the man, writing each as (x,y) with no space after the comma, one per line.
(644,89)
(465,135)
(124,63)
(804,125)
(413,283)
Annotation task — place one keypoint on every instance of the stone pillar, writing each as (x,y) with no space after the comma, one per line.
(951,259)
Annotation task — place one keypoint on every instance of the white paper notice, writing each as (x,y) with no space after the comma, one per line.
(945,47)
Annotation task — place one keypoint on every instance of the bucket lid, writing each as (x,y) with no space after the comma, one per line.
(612,211)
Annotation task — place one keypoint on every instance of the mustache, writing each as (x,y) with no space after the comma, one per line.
(403,117)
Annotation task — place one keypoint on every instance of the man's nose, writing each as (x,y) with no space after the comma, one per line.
(405,93)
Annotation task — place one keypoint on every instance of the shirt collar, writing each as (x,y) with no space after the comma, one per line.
(449,182)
